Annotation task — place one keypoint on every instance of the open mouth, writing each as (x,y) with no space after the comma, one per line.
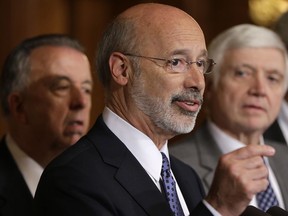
(191,106)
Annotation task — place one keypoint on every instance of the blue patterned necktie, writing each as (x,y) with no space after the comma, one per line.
(267,198)
(170,187)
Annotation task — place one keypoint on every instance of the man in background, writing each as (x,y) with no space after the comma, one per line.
(278,131)
(243,96)
(45,91)
(151,62)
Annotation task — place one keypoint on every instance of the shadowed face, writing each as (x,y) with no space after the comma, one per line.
(58,100)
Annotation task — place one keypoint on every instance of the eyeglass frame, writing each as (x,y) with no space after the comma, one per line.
(168,62)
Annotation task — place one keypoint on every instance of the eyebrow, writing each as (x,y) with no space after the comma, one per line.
(90,82)
(247,66)
(266,71)
(203,52)
(253,68)
(59,78)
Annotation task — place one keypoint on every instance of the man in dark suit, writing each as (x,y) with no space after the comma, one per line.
(244,95)
(45,90)
(151,62)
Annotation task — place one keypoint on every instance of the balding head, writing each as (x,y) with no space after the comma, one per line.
(154,21)
(146,26)
(150,14)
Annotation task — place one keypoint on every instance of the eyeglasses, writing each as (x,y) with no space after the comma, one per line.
(180,65)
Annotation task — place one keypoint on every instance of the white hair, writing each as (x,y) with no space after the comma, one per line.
(244,36)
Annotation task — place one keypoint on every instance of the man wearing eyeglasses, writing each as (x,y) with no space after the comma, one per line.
(244,94)
(151,62)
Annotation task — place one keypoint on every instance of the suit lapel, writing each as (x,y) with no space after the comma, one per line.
(12,183)
(209,154)
(274,133)
(188,182)
(130,174)
(141,187)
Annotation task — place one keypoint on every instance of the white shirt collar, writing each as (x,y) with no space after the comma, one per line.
(140,145)
(30,169)
(225,142)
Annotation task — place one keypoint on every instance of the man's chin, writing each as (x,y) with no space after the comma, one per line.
(72,138)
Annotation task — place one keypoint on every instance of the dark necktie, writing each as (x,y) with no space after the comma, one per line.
(267,198)
(170,187)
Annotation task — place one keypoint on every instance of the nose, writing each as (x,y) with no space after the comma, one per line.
(258,85)
(79,99)
(195,79)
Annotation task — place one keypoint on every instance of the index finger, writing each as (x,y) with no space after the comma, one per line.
(255,150)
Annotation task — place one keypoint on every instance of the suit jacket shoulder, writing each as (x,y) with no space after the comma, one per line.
(15,197)
(274,133)
(100,176)
(200,151)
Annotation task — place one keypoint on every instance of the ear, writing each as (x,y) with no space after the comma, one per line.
(118,67)
(15,101)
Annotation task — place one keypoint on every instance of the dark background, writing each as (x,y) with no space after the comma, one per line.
(86,19)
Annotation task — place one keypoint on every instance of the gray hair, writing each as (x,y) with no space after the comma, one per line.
(16,69)
(120,36)
(244,36)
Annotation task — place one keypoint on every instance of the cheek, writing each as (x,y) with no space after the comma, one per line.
(228,92)
(228,98)
(87,102)
(274,101)
(54,108)
(153,85)
(86,112)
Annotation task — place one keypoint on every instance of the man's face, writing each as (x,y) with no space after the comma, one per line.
(170,99)
(250,90)
(58,100)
